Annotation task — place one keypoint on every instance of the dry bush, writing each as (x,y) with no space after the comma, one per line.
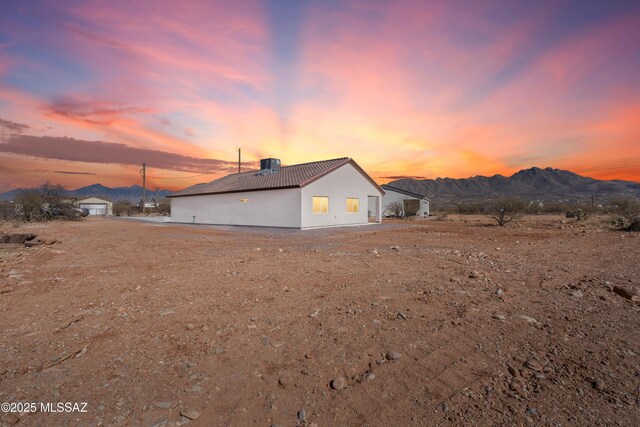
(634,224)
(624,213)
(8,211)
(505,209)
(440,215)
(395,209)
(124,208)
(41,203)
(470,208)
(578,214)
(44,203)
(163,207)
(29,205)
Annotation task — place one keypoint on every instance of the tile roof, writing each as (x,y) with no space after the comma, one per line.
(403,191)
(288,177)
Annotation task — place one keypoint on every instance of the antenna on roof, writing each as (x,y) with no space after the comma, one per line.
(239,162)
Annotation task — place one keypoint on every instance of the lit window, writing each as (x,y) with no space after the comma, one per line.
(352,204)
(320,204)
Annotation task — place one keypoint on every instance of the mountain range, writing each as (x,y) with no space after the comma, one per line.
(132,194)
(546,184)
(531,184)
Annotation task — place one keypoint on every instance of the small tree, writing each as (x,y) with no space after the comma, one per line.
(504,210)
(51,193)
(396,209)
(42,203)
(164,207)
(29,204)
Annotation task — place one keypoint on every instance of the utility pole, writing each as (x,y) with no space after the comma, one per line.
(143,171)
(239,162)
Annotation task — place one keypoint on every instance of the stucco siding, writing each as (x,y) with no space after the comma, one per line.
(268,208)
(391,196)
(342,183)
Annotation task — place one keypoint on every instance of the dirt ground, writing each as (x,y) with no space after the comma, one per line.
(428,323)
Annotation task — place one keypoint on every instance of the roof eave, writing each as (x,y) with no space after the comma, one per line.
(233,191)
(406,192)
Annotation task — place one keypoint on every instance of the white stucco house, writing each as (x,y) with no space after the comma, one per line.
(410,203)
(327,193)
(96,206)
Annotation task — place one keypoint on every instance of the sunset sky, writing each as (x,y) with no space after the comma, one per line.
(91,89)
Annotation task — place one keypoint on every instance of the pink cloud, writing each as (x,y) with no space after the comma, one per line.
(104,152)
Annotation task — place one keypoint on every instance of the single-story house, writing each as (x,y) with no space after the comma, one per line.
(407,202)
(96,206)
(327,193)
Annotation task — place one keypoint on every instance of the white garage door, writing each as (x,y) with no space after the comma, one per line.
(95,208)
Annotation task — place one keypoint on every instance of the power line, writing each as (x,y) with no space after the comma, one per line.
(182,177)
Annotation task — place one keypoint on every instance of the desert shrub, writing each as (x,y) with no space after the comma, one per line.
(470,208)
(124,208)
(29,204)
(440,215)
(625,213)
(505,209)
(163,207)
(578,214)
(44,203)
(395,209)
(51,193)
(61,210)
(7,211)
(555,208)
(634,224)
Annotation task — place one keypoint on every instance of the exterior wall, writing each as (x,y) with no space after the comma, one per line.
(269,208)
(391,196)
(346,181)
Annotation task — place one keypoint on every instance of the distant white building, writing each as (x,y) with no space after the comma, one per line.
(149,204)
(327,193)
(409,203)
(96,206)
